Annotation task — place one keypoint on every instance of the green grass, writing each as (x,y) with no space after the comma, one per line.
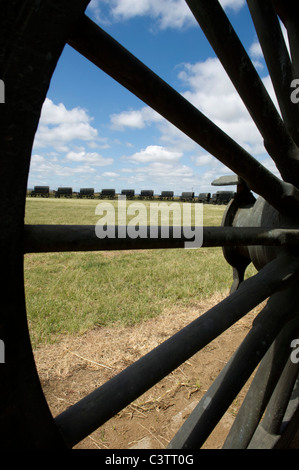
(69,293)
(82,211)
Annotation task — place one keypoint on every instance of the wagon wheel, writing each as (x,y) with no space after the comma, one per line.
(262,231)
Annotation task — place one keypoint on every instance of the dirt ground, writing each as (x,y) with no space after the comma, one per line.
(77,365)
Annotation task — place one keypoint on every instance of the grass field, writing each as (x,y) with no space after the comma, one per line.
(69,293)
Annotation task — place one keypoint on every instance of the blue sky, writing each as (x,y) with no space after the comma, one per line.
(95,133)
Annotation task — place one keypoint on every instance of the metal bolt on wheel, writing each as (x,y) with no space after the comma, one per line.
(262,231)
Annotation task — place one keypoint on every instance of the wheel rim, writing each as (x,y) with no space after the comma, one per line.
(23,405)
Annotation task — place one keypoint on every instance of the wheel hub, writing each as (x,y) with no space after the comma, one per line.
(246,211)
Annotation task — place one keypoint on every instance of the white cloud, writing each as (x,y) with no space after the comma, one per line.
(165,13)
(162,175)
(58,114)
(269,87)
(203,160)
(131,119)
(206,85)
(59,126)
(134,119)
(255,50)
(167,171)
(36,160)
(256,55)
(144,117)
(110,174)
(155,153)
(233,4)
(159,167)
(211,91)
(92,158)
(95,8)
(41,167)
(208,88)
(270,165)
(60,156)
(82,169)
(285,35)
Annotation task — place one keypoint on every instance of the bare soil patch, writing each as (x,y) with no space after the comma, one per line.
(77,365)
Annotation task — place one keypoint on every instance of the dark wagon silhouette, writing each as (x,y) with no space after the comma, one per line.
(64,192)
(128,193)
(261,230)
(43,191)
(107,194)
(204,197)
(224,197)
(86,192)
(168,195)
(146,194)
(187,196)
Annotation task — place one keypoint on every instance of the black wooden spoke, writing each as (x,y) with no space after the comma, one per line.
(243,75)
(261,389)
(50,238)
(106,401)
(289,14)
(281,71)
(279,400)
(272,431)
(237,371)
(101,49)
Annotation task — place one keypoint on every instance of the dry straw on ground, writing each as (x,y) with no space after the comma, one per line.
(76,365)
